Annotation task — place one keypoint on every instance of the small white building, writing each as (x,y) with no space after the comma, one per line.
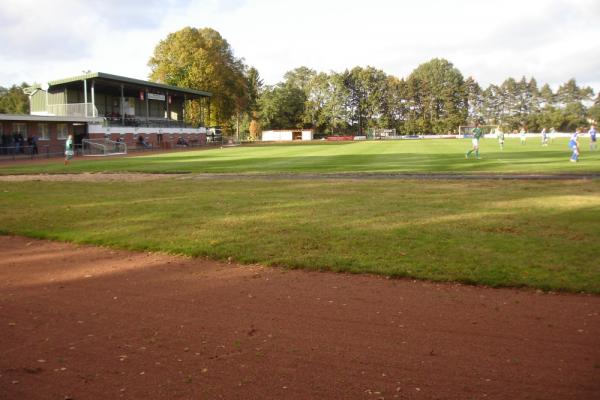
(287,135)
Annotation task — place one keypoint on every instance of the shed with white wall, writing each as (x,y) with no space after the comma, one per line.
(287,135)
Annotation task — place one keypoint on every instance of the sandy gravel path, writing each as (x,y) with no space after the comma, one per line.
(82,322)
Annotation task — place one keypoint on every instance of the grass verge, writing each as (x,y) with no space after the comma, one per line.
(498,233)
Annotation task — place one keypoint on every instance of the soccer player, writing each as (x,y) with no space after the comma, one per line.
(477,134)
(574,146)
(523,136)
(593,143)
(500,136)
(544,137)
(69,149)
(552,134)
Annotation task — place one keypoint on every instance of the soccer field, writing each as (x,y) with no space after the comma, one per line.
(414,156)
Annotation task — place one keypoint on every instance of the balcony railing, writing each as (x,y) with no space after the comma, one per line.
(73,110)
(131,120)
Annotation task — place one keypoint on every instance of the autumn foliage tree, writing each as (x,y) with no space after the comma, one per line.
(202,59)
(13,100)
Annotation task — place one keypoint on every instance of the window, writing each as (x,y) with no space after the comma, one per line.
(43,132)
(20,129)
(62,131)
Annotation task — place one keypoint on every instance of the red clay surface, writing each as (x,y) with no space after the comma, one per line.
(80,322)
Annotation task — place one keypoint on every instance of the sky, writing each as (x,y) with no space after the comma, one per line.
(490,40)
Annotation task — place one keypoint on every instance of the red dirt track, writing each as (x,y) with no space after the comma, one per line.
(80,322)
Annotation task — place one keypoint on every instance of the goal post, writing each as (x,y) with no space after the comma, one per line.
(382,134)
(102,147)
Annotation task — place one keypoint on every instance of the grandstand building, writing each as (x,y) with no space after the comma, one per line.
(99,105)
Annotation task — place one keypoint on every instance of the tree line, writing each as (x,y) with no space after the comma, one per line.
(434,98)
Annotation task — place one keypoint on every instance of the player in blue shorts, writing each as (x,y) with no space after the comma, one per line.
(593,143)
(574,146)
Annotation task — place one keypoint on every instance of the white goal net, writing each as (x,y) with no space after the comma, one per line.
(102,147)
(382,134)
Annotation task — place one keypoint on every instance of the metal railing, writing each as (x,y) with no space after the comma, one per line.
(73,110)
(31,152)
(54,151)
(142,122)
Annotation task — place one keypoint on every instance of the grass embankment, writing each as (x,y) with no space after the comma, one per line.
(499,233)
(416,156)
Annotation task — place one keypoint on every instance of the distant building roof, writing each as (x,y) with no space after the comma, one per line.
(123,79)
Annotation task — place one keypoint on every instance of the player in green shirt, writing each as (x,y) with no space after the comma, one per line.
(477,134)
(69,149)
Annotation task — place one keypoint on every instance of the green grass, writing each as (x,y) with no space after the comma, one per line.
(498,233)
(417,156)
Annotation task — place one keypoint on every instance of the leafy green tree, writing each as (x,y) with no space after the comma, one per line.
(282,107)
(546,95)
(367,90)
(319,105)
(594,111)
(439,98)
(570,92)
(394,110)
(574,116)
(14,100)
(255,87)
(303,78)
(511,114)
(335,110)
(475,99)
(493,105)
(202,59)
(300,78)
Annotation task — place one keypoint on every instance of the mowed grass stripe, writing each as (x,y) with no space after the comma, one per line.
(417,156)
(498,233)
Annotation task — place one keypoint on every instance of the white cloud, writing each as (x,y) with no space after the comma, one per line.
(552,40)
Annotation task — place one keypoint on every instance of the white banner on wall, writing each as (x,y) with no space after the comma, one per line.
(156,96)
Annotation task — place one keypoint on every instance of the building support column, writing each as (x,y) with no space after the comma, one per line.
(147,108)
(208,121)
(122,102)
(167,104)
(183,109)
(201,101)
(94,111)
(85,97)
